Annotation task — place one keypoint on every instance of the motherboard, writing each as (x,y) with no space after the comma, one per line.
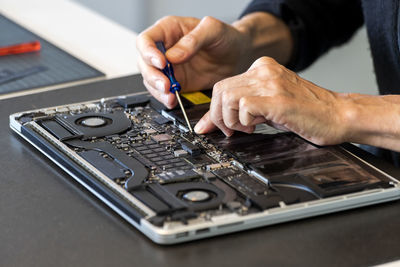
(135,146)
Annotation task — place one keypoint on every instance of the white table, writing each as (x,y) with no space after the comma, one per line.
(89,36)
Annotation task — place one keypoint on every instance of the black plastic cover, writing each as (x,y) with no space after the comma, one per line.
(106,165)
(134,101)
(56,129)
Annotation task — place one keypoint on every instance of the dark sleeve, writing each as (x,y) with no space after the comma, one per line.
(316,25)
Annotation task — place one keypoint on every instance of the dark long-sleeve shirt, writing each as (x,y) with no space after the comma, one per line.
(318,25)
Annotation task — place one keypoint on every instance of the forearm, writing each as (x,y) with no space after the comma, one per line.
(267,36)
(372,120)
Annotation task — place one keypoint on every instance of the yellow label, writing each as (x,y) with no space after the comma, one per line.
(197,98)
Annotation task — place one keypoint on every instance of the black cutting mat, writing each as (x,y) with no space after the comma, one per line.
(50,66)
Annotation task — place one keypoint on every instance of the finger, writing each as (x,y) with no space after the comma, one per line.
(207,32)
(216,111)
(259,120)
(169,30)
(277,126)
(231,120)
(230,108)
(254,110)
(168,99)
(155,93)
(205,125)
(154,77)
(146,46)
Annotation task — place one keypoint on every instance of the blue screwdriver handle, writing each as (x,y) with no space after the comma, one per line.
(169,71)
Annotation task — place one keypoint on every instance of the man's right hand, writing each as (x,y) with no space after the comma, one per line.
(206,51)
(203,52)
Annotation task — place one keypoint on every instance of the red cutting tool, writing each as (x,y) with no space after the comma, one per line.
(20,48)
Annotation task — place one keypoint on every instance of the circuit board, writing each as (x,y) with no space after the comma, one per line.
(135,147)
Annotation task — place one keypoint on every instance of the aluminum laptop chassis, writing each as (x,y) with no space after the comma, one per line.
(194,187)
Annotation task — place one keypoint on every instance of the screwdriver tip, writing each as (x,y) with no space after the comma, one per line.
(183,111)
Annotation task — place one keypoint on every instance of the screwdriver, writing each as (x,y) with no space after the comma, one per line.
(175,87)
(20,48)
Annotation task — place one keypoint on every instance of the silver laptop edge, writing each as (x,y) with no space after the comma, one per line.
(199,228)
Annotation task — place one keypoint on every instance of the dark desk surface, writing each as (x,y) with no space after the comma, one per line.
(48,219)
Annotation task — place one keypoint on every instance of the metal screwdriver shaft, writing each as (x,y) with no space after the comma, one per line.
(175,86)
(183,111)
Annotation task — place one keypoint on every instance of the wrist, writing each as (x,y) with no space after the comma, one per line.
(266,35)
(245,58)
(371,120)
(349,115)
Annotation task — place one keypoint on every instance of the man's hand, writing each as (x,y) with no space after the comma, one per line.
(206,51)
(270,93)
(202,51)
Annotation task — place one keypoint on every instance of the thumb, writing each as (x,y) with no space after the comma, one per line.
(205,125)
(207,32)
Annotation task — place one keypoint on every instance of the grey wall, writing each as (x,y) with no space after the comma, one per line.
(139,14)
(345,69)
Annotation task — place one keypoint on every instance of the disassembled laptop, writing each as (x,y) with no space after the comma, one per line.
(176,186)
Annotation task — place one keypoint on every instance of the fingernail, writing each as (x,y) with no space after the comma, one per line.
(165,98)
(199,127)
(160,86)
(227,133)
(156,62)
(176,52)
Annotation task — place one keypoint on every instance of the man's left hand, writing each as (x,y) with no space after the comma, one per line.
(270,93)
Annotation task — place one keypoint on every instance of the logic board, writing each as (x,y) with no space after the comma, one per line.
(135,154)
